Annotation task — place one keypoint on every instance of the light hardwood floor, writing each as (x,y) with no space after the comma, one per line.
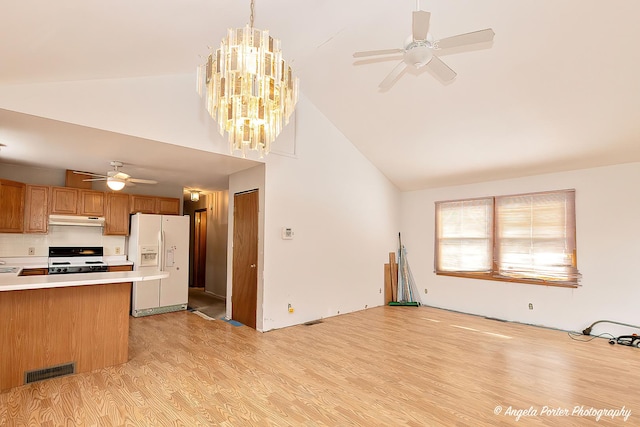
(385,366)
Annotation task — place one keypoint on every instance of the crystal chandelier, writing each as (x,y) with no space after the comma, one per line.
(249,88)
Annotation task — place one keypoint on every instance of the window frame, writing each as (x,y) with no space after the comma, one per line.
(493,274)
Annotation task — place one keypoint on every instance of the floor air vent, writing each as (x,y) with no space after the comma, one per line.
(313,322)
(51,372)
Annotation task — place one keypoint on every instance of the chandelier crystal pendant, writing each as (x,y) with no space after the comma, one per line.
(249,89)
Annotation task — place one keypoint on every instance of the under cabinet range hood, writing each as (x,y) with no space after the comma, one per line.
(86,221)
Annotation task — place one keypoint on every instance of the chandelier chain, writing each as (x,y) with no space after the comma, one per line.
(251,16)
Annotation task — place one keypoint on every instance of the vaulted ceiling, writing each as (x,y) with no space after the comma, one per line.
(558,88)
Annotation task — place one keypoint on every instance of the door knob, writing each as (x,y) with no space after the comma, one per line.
(252,266)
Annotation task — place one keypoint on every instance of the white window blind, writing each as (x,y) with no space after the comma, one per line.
(464,235)
(524,237)
(535,236)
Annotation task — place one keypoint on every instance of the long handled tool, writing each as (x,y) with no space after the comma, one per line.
(406,286)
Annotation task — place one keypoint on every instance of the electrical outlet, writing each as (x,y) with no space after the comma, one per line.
(32,251)
(530,306)
(117,250)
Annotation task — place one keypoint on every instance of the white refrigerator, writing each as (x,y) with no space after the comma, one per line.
(159,242)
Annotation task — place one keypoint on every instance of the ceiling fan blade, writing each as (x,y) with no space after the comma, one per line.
(441,69)
(94,179)
(142,181)
(480,36)
(376,52)
(392,76)
(420,24)
(89,174)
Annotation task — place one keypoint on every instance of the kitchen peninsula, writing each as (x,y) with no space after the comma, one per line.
(62,324)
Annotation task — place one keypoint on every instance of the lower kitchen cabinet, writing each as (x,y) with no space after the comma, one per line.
(120,268)
(34,272)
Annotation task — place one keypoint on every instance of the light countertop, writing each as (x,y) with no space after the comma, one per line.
(13,282)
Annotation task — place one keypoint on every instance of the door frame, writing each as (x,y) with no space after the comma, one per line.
(199,252)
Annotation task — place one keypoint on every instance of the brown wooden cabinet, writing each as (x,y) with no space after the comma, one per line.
(143,204)
(34,272)
(36,210)
(26,208)
(120,268)
(155,205)
(117,214)
(11,206)
(90,203)
(64,200)
(168,206)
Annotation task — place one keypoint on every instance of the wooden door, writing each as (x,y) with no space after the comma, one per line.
(200,248)
(244,296)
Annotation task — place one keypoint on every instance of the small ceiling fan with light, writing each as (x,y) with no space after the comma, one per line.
(116,180)
(421,49)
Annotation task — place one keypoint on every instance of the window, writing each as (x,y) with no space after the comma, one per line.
(526,238)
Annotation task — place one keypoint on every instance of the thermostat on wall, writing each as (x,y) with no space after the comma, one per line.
(287,233)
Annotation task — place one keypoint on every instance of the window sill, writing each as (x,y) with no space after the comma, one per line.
(485,276)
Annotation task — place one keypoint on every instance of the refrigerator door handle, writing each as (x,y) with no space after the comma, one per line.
(163,253)
(160,251)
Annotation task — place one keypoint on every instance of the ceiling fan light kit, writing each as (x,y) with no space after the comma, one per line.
(420,50)
(115,184)
(248,88)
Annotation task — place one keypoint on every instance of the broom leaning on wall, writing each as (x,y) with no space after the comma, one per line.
(407,291)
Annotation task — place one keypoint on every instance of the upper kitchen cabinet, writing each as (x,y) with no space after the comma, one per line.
(36,209)
(73,201)
(154,205)
(90,203)
(64,200)
(143,204)
(168,206)
(117,214)
(11,206)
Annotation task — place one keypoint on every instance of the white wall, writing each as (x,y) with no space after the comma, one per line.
(164,108)
(345,216)
(17,245)
(608,238)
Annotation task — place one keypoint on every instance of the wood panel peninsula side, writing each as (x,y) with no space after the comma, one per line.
(69,323)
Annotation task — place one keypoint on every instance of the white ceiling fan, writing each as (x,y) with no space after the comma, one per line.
(116,180)
(420,49)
